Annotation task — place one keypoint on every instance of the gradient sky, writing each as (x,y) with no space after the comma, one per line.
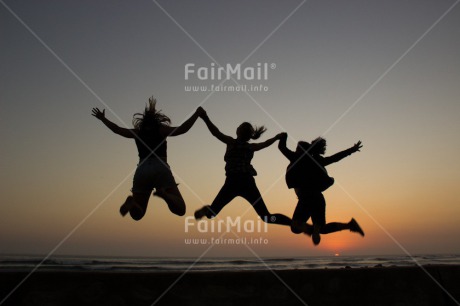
(383,72)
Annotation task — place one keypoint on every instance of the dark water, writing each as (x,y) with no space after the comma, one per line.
(70,263)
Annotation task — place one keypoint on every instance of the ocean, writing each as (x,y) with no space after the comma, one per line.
(21,263)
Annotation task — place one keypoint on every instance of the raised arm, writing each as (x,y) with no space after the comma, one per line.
(283,148)
(340,155)
(128,133)
(184,127)
(266,143)
(215,131)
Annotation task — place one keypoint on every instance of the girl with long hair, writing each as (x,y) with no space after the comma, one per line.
(240,173)
(151,128)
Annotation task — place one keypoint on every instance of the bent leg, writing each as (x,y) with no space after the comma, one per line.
(318,216)
(278,219)
(300,218)
(253,196)
(227,193)
(166,187)
(332,227)
(139,205)
(302,212)
(173,198)
(142,187)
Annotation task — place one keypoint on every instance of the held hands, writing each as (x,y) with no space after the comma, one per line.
(201,112)
(98,114)
(282,136)
(357,146)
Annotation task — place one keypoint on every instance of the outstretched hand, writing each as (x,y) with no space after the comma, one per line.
(281,136)
(357,146)
(98,114)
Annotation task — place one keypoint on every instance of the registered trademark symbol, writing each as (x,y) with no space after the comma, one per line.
(273,66)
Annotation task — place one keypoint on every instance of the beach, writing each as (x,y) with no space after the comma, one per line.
(432,285)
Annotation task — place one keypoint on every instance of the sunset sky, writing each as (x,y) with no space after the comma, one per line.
(383,72)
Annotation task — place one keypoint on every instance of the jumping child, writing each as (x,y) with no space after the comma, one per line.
(307,174)
(240,173)
(151,129)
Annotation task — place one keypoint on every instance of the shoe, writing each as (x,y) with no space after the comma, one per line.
(355,228)
(202,212)
(136,212)
(130,206)
(126,207)
(315,236)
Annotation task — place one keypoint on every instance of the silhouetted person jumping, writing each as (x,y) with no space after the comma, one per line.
(240,173)
(151,129)
(307,174)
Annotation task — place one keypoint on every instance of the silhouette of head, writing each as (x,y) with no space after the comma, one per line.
(246,131)
(318,146)
(151,118)
(302,147)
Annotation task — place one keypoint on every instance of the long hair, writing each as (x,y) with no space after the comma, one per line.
(251,132)
(318,146)
(150,118)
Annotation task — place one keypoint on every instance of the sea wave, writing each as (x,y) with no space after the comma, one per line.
(75,263)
